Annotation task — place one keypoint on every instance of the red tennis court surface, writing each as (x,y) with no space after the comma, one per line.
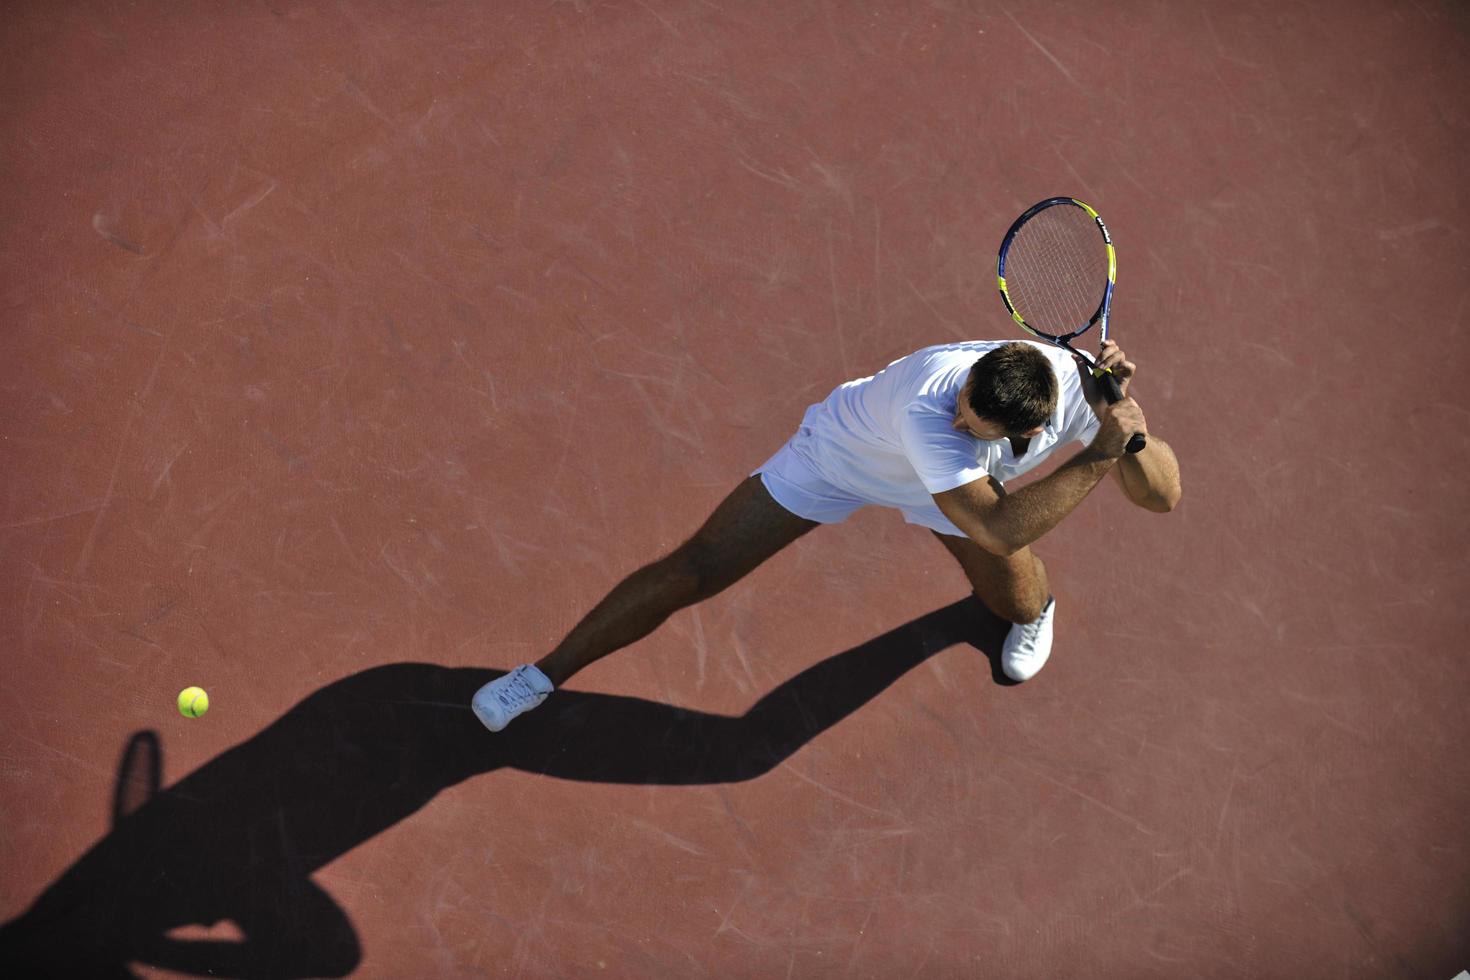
(353,351)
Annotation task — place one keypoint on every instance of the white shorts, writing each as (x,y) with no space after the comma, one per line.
(793,480)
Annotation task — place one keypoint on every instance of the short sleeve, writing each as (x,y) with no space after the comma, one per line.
(1079,421)
(942,457)
(1082,424)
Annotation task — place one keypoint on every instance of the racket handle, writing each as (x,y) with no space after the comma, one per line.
(1114,393)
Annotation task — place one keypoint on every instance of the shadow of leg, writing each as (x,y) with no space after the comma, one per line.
(291,930)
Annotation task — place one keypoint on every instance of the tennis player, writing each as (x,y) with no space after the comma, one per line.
(936,435)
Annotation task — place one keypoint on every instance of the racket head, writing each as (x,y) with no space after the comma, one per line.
(1056,268)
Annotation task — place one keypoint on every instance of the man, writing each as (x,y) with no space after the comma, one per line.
(935,435)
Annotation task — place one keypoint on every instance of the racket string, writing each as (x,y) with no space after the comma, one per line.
(1057,270)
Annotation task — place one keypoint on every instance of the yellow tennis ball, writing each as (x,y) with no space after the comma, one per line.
(193,702)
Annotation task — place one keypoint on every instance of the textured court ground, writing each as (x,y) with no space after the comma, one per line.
(352,351)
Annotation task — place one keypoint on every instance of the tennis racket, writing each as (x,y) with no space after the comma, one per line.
(1055,274)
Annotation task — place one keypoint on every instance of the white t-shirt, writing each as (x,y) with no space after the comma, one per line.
(890,439)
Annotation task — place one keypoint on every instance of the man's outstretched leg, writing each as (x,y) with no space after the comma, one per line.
(745,530)
(1016,589)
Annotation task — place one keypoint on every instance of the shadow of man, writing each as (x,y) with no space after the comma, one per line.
(238,839)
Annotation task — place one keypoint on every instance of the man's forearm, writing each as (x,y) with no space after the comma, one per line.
(1022,517)
(1151,478)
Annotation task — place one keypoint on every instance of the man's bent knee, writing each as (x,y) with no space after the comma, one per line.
(688,573)
(699,570)
(748,527)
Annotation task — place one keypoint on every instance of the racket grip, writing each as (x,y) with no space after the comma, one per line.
(1113,392)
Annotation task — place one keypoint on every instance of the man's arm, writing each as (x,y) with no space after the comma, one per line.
(1151,478)
(1003,523)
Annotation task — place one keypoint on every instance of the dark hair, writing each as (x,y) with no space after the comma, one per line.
(1014,387)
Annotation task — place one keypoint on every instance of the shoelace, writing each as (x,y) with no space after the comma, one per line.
(517,693)
(1029,632)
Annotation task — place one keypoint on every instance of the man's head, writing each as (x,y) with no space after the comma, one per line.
(1011,391)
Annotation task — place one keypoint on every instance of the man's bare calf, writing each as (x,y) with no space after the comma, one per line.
(745,529)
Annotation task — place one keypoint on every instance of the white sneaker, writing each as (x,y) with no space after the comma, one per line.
(1028,645)
(512,694)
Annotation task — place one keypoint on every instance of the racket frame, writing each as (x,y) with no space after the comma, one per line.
(1099,316)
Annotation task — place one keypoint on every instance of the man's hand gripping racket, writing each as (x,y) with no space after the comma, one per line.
(1055,273)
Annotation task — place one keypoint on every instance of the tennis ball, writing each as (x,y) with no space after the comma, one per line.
(193,702)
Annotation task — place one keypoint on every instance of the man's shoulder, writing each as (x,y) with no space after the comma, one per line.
(967,352)
(942,363)
(961,348)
